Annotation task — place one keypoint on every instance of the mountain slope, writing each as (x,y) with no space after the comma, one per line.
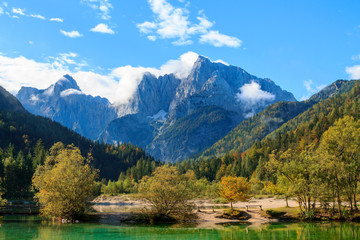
(256,128)
(305,129)
(164,104)
(193,133)
(23,130)
(64,102)
(9,103)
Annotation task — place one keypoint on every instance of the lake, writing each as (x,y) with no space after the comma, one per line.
(30,227)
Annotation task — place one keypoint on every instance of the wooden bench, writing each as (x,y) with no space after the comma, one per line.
(253,206)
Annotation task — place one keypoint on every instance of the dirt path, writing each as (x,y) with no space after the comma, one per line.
(120,205)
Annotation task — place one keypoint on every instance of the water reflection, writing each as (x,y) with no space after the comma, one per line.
(35,228)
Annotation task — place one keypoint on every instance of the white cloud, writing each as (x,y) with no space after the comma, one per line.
(118,85)
(152,38)
(146,27)
(20,71)
(251,94)
(37,16)
(356,57)
(308,84)
(5,4)
(222,61)
(129,77)
(354,71)
(182,42)
(1,11)
(102,28)
(18,11)
(203,25)
(71,34)
(174,23)
(31,42)
(103,6)
(220,40)
(181,67)
(70,91)
(56,19)
(68,59)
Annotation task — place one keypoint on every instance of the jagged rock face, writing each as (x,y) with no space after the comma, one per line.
(218,85)
(132,128)
(185,116)
(193,133)
(152,95)
(65,103)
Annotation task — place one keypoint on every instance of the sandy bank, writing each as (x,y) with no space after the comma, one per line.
(120,207)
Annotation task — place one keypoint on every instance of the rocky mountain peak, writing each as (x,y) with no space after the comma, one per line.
(64,83)
(64,102)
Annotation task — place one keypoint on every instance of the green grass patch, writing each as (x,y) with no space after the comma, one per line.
(234,214)
(283,213)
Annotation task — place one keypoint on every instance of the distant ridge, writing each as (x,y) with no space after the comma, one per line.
(271,118)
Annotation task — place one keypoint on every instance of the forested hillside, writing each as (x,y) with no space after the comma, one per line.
(25,140)
(271,118)
(298,133)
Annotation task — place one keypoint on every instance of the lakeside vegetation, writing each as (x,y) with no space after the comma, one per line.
(313,158)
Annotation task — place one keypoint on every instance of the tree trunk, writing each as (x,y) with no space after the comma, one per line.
(300,205)
(231,205)
(350,202)
(339,205)
(354,195)
(314,204)
(286,199)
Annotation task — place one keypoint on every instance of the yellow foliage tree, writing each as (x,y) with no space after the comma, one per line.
(234,189)
(65,183)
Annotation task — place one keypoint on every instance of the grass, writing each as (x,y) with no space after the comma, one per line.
(234,214)
(283,213)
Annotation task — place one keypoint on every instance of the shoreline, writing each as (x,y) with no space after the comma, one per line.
(121,208)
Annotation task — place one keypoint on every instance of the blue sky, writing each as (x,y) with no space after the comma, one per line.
(106,44)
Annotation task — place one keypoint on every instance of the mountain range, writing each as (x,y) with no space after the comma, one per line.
(172,118)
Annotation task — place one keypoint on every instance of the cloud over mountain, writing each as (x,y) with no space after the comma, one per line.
(117,84)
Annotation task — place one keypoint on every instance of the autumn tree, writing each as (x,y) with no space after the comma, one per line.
(65,183)
(169,192)
(234,189)
(340,153)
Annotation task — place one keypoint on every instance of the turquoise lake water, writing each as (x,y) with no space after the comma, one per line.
(15,227)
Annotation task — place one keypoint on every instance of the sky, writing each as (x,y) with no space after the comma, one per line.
(106,45)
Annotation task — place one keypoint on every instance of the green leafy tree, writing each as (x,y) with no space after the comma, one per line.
(302,171)
(65,183)
(282,188)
